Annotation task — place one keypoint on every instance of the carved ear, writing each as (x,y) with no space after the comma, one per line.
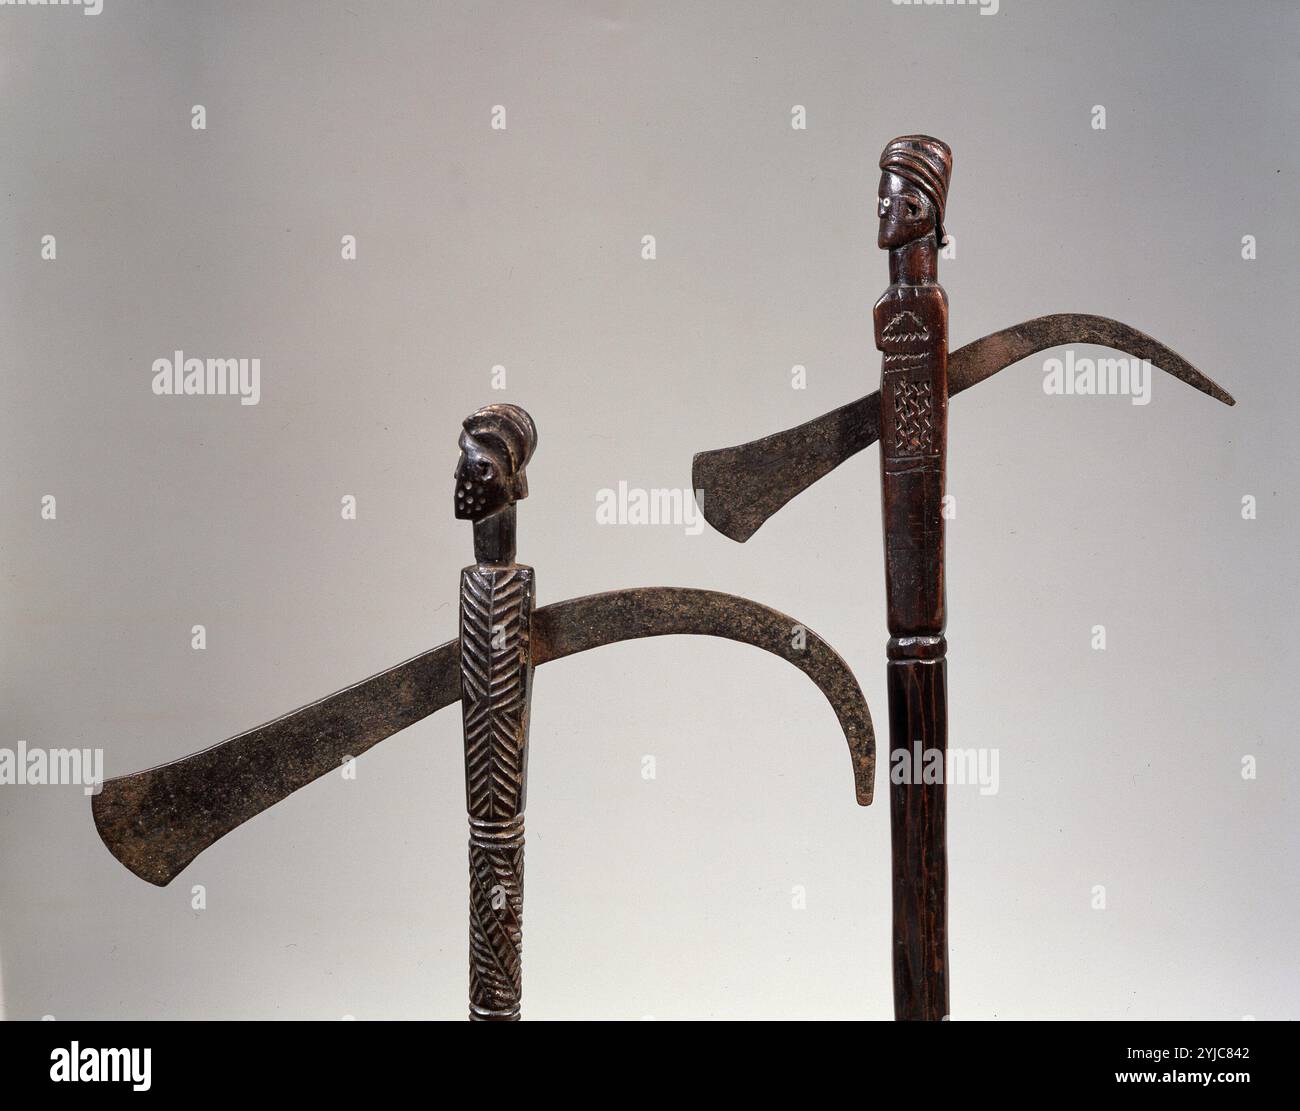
(917,207)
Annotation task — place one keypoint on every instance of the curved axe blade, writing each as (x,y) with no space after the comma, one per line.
(157,821)
(741,487)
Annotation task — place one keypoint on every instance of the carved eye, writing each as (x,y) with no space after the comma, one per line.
(884,202)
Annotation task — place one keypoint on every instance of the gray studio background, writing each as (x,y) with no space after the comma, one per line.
(673,897)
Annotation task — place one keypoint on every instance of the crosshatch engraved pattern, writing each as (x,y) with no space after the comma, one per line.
(496,604)
(913,418)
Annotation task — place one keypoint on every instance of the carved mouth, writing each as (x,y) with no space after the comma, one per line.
(471,498)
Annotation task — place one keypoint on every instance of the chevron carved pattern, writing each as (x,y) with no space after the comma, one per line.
(904,328)
(495,606)
(496,680)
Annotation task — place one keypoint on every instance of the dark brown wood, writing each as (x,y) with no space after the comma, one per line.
(497,598)
(496,603)
(918,715)
(496,681)
(740,487)
(911,324)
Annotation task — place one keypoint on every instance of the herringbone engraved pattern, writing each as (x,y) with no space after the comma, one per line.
(494,610)
(496,928)
(494,629)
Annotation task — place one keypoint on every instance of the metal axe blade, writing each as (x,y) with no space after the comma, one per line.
(741,487)
(157,821)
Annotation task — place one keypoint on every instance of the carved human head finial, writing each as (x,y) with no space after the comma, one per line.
(915,171)
(495,446)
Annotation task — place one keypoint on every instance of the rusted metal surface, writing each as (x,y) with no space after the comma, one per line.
(581,624)
(743,486)
(157,821)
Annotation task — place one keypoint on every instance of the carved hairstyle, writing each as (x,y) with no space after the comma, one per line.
(495,446)
(926,162)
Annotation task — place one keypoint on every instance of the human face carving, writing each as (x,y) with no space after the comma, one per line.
(482,481)
(905,212)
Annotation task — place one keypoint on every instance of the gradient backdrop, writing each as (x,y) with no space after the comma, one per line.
(742,880)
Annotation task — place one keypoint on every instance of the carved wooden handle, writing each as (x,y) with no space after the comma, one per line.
(496,918)
(912,331)
(496,603)
(918,724)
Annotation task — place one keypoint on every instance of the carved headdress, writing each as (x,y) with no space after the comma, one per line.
(495,446)
(926,163)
